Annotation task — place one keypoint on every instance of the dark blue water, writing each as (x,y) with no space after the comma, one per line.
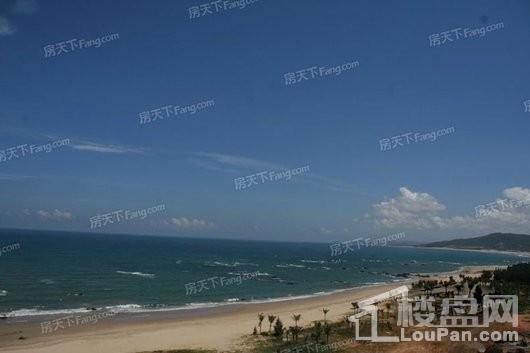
(59,270)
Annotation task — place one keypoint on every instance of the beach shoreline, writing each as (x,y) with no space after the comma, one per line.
(225,325)
(485,251)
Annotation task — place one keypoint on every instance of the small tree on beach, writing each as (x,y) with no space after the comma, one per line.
(261,316)
(446,285)
(429,286)
(318,331)
(327,332)
(388,306)
(278,328)
(288,332)
(296,318)
(485,277)
(271,320)
(325,311)
(478,295)
(347,321)
(295,331)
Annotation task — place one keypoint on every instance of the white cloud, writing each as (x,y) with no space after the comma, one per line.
(419,210)
(95,147)
(53,215)
(191,224)
(215,160)
(6,28)
(325,230)
(518,194)
(410,209)
(21,7)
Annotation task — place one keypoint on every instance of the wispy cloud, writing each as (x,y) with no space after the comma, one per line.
(191,224)
(75,143)
(218,161)
(238,164)
(6,28)
(55,215)
(325,230)
(20,7)
(25,7)
(101,148)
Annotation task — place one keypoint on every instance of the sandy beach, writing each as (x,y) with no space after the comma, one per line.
(485,251)
(219,328)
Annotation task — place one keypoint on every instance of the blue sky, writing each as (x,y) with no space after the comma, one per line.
(238,57)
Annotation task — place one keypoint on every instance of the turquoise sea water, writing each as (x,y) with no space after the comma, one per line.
(62,272)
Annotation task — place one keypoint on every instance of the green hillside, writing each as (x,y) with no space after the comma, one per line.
(494,241)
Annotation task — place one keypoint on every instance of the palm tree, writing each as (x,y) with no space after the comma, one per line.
(289,331)
(446,285)
(327,331)
(295,331)
(296,318)
(429,287)
(485,276)
(347,321)
(325,311)
(271,320)
(260,318)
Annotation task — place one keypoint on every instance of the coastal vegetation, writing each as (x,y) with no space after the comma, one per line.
(316,336)
(328,335)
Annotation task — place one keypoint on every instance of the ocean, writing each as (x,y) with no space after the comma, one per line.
(60,272)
